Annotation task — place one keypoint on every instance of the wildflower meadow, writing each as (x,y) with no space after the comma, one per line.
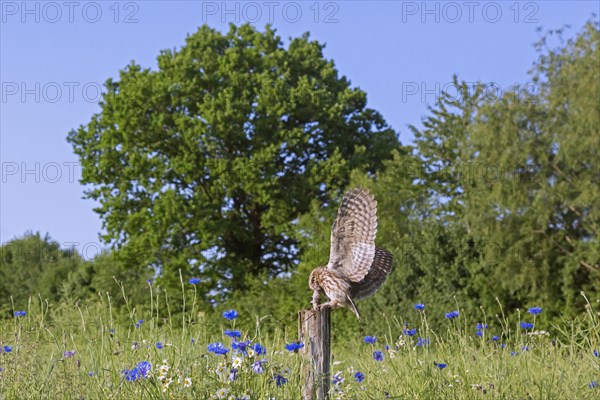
(159,239)
(95,354)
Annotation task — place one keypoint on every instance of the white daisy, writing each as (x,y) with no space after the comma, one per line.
(237,362)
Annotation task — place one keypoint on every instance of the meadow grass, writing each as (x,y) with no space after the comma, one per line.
(89,353)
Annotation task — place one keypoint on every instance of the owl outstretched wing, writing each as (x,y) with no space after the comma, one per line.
(379,271)
(353,235)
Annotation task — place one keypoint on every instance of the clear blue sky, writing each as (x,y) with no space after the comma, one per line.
(55,56)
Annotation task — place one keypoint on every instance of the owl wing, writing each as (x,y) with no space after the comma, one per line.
(379,271)
(353,235)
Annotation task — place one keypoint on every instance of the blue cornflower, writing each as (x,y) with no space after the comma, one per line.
(421,342)
(410,332)
(257,366)
(159,345)
(7,349)
(217,348)
(481,327)
(231,314)
(194,281)
(280,380)
(479,333)
(452,314)
(294,346)
(149,281)
(378,356)
(144,367)
(91,373)
(131,375)
(232,374)
(233,333)
(419,306)
(359,377)
(535,310)
(440,365)
(240,347)
(338,378)
(259,349)
(514,353)
(525,348)
(596,353)
(495,338)
(139,323)
(141,370)
(526,325)
(503,345)
(69,354)
(370,339)
(20,314)
(593,385)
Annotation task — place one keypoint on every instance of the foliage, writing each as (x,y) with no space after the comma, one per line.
(60,279)
(521,183)
(34,265)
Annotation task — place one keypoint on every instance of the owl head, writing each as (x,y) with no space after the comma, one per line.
(314,278)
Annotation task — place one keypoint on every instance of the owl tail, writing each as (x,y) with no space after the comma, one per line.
(353,307)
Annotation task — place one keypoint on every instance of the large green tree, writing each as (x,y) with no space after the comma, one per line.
(535,202)
(205,163)
(514,185)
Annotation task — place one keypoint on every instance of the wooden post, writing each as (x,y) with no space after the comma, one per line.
(314,329)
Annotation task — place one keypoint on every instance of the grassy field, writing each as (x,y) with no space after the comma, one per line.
(85,353)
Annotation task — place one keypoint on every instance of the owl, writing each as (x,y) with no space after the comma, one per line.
(356,268)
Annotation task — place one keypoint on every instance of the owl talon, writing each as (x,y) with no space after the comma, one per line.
(331,304)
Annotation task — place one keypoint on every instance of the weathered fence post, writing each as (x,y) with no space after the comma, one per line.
(314,329)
